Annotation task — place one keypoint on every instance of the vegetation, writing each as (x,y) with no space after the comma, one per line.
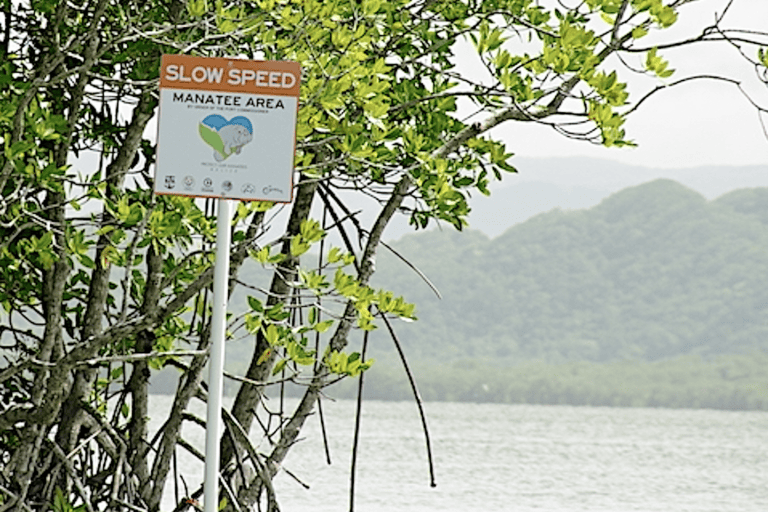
(670,316)
(102,282)
(732,382)
(653,272)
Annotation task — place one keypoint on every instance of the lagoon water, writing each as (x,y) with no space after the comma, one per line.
(522,458)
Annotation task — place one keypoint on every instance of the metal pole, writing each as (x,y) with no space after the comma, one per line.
(216,360)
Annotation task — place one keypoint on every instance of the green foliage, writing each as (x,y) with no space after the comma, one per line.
(609,122)
(350,365)
(62,504)
(309,234)
(657,65)
(197,8)
(652,272)
(732,382)
(762,55)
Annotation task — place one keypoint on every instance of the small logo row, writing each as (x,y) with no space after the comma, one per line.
(208,186)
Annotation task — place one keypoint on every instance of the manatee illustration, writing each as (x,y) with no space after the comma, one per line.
(226,137)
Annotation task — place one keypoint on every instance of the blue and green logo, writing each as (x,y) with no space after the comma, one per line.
(226,137)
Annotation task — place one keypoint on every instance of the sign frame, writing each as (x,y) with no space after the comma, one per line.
(227,128)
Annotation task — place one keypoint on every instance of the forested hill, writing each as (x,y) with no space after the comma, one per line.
(654,297)
(652,272)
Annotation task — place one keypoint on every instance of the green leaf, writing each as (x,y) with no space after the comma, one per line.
(639,32)
(279,366)
(264,356)
(106,229)
(322,327)
(762,54)
(371,7)
(666,73)
(253,323)
(657,64)
(276,313)
(272,335)
(298,246)
(255,304)
(334,255)
(60,504)
(197,8)
(262,255)
(666,16)
(607,18)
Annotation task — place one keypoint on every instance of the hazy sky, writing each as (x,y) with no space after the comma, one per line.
(698,123)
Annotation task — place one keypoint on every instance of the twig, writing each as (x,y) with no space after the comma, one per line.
(263,472)
(117,477)
(84,443)
(191,449)
(73,475)
(139,357)
(125,283)
(356,438)
(240,466)
(417,398)
(175,478)
(678,82)
(324,192)
(348,214)
(228,490)
(324,431)
(413,267)
(129,506)
(296,478)
(9,494)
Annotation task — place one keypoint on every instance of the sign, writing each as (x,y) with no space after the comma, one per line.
(227,128)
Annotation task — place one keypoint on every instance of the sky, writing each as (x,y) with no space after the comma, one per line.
(698,123)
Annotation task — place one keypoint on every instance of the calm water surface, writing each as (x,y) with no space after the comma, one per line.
(524,458)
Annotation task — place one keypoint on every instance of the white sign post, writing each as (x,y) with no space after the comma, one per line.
(216,359)
(226,129)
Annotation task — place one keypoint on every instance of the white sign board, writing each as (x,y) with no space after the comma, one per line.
(227,128)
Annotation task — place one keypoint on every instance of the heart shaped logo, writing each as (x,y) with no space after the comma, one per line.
(226,137)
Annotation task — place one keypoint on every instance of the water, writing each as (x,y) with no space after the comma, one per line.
(495,457)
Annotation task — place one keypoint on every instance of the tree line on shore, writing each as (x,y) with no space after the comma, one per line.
(730,382)
(734,382)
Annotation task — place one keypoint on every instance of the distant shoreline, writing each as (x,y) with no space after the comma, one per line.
(732,382)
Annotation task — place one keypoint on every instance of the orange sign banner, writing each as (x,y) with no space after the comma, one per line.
(278,78)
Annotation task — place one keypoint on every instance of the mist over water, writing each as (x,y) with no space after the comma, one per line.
(495,457)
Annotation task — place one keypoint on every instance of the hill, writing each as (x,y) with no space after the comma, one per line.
(542,184)
(655,296)
(652,272)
